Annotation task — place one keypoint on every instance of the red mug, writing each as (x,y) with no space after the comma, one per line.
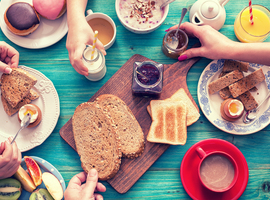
(217,170)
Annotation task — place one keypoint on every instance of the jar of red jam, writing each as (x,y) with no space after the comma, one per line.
(147,78)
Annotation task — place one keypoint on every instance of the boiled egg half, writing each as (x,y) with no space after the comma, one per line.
(28,108)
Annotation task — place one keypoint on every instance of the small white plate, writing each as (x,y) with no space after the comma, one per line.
(48,102)
(210,104)
(45,166)
(48,33)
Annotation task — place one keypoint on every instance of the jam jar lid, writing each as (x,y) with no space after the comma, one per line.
(148,74)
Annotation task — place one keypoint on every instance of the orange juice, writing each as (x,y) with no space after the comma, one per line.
(256,32)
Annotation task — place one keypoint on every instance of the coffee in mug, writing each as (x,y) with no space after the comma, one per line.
(104,28)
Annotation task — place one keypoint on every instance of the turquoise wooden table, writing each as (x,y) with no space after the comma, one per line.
(162,180)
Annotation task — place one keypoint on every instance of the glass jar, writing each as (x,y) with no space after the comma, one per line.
(174,50)
(96,66)
(147,78)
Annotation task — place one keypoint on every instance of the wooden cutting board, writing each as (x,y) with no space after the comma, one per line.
(120,85)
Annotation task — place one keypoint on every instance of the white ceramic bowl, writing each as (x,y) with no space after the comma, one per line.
(136,30)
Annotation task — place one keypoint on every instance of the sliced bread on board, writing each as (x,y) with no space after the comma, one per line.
(180,95)
(168,122)
(97,141)
(128,128)
(16,85)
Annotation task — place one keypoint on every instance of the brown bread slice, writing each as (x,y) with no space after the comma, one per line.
(248,101)
(231,65)
(16,86)
(11,111)
(180,95)
(96,140)
(169,122)
(128,128)
(247,83)
(224,81)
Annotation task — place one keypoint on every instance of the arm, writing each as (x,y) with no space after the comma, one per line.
(79,35)
(214,45)
(9,58)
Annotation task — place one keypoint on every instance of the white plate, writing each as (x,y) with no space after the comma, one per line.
(48,102)
(45,166)
(48,33)
(210,104)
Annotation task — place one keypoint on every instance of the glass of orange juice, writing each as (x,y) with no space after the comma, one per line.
(256,32)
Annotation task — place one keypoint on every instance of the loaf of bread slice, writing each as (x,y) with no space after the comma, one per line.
(16,85)
(97,141)
(248,101)
(168,122)
(231,65)
(224,81)
(10,110)
(247,83)
(128,128)
(180,95)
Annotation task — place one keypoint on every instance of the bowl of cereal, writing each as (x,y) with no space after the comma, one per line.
(141,16)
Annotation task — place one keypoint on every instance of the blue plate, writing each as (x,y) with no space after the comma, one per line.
(210,104)
(45,167)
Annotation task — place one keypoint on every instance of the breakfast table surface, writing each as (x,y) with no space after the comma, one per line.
(162,180)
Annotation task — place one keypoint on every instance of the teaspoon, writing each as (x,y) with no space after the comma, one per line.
(24,123)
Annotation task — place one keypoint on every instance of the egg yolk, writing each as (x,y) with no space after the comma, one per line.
(29,111)
(233,107)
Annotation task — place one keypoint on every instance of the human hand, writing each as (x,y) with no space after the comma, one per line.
(214,45)
(79,36)
(78,191)
(10,158)
(9,58)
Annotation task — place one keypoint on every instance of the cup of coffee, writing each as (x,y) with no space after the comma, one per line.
(217,170)
(104,25)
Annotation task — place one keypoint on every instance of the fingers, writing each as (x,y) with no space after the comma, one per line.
(78,179)
(9,55)
(100,188)
(91,183)
(100,46)
(5,68)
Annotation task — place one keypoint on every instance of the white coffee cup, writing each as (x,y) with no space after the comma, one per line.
(107,36)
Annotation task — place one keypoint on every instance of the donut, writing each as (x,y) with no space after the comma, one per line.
(21,18)
(34,110)
(50,9)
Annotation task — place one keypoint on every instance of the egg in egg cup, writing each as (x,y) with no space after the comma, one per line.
(35,112)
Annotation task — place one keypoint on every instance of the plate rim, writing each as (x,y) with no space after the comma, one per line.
(56,112)
(202,92)
(8,34)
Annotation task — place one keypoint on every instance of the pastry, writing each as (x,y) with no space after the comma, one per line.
(21,18)
(50,9)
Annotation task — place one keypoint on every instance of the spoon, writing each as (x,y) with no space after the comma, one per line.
(251,114)
(175,38)
(24,123)
(166,3)
(142,74)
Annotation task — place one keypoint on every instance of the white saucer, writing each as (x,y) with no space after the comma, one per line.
(48,33)
(210,104)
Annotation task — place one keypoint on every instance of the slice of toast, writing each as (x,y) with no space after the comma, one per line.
(169,122)
(180,95)
(247,83)
(128,128)
(10,110)
(96,140)
(231,65)
(17,85)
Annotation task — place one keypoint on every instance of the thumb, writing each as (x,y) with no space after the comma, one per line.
(5,68)
(91,183)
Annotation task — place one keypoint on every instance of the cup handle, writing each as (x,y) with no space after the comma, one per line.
(89,12)
(201,153)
